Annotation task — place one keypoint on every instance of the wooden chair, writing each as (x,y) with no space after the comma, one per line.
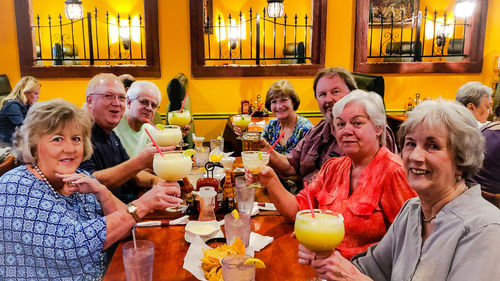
(7,164)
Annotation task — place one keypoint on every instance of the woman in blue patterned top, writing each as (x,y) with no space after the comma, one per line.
(283,101)
(56,221)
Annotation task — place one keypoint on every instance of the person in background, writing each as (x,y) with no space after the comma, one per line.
(58,222)
(477,98)
(143,98)
(13,107)
(127,80)
(449,232)
(488,176)
(368,186)
(283,102)
(319,144)
(110,164)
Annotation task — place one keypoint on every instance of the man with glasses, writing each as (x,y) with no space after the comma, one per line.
(319,144)
(143,98)
(105,100)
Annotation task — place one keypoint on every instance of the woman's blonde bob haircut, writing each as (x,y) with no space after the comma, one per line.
(464,139)
(374,107)
(25,85)
(46,117)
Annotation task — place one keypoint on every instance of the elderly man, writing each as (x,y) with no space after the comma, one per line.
(143,97)
(477,98)
(110,164)
(319,145)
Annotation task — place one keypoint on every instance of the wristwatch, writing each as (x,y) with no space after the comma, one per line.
(132,209)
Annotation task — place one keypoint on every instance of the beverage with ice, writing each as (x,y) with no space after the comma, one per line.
(237,227)
(242,120)
(170,135)
(245,195)
(179,118)
(234,269)
(172,166)
(255,162)
(323,233)
(138,262)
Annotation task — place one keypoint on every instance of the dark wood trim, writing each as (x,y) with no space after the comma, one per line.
(318,47)
(473,64)
(23,11)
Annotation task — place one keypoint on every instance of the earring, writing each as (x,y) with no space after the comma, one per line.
(458,177)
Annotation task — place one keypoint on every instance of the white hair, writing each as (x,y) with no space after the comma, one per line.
(138,86)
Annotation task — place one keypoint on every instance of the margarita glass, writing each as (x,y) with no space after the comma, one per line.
(321,234)
(179,118)
(255,162)
(170,135)
(242,121)
(172,166)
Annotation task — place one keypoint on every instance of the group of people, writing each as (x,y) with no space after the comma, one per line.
(414,216)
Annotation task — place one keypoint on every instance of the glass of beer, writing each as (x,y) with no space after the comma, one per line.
(251,141)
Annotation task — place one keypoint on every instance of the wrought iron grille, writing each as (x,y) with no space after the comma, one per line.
(258,39)
(399,38)
(91,40)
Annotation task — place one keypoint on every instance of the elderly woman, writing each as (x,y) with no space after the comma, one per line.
(449,232)
(489,175)
(477,98)
(13,107)
(57,222)
(283,101)
(368,185)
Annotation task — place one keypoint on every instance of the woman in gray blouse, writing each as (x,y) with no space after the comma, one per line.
(449,232)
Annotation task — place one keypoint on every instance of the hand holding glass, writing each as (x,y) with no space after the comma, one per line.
(255,162)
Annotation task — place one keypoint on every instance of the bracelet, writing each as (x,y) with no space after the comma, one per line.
(107,199)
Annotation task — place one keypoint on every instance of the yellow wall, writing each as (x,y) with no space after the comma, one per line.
(211,95)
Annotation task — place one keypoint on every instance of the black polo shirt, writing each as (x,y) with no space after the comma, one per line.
(109,152)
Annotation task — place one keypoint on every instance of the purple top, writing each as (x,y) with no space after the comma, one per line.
(489,175)
(319,145)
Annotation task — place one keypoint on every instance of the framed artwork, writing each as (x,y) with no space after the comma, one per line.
(208,15)
(384,8)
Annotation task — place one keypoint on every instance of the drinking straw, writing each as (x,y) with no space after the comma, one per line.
(183,102)
(151,137)
(276,142)
(133,236)
(255,110)
(146,120)
(309,202)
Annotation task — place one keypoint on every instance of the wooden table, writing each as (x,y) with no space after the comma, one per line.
(280,256)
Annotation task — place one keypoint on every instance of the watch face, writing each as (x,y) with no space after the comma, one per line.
(131,208)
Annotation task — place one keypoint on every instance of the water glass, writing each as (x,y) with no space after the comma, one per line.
(138,262)
(233,268)
(240,228)
(245,195)
(201,156)
(214,143)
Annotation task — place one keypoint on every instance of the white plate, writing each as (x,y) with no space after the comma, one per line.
(193,229)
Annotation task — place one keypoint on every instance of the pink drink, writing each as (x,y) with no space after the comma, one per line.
(138,262)
(233,268)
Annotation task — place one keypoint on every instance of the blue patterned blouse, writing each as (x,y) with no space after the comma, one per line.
(44,237)
(272,132)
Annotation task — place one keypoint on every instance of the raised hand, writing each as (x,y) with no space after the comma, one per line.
(162,195)
(80,183)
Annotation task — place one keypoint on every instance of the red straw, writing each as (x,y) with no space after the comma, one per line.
(183,102)
(151,137)
(146,120)
(255,110)
(309,201)
(276,142)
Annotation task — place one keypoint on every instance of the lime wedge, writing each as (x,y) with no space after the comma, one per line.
(160,126)
(188,152)
(254,261)
(260,156)
(235,214)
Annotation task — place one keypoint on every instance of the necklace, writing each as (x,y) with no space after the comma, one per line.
(56,194)
(433,217)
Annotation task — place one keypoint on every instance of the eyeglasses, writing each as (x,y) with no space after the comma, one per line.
(279,100)
(111,97)
(146,103)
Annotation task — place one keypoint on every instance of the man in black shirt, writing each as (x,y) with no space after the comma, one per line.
(110,164)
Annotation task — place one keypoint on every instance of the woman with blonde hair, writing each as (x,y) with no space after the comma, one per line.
(13,108)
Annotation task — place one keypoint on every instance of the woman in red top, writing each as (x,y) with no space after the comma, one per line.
(368,186)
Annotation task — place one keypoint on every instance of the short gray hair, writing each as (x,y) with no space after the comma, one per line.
(465,140)
(138,86)
(44,118)
(473,92)
(97,79)
(374,106)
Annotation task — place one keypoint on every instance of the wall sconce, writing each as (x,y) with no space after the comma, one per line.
(275,8)
(464,8)
(73,9)
(234,33)
(124,32)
